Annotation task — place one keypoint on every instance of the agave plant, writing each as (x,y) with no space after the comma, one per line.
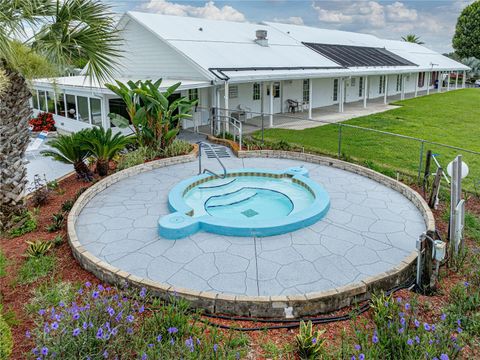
(103,145)
(71,149)
(309,342)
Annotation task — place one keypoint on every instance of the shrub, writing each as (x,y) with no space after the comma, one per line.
(57,222)
(309,343)
(472,226)
(462,310)
(109,323)
(35,268)
(58,240)
(38,248)
(399,334)
(6,338)
(3,264)
(136,157)
(177,148)
(67,205)
(23,224)
(43,121)
(281,145)
(40,191)
(51,294)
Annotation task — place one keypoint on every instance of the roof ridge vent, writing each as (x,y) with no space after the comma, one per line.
(261,37)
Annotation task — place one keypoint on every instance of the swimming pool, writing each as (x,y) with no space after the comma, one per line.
(247,202)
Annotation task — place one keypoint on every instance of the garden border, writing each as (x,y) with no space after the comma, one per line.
(259,306)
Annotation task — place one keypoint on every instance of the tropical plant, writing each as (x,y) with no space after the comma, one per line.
(65,31)
(177,148)
(136,157)
(37,248)
(103,145)
(23,223)
(154,117)
(412,38)
(466,40)
(309,343)
(57,222)
(71,149)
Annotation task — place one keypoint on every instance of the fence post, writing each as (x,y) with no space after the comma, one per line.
(421,161)
(263,127)
(339,141)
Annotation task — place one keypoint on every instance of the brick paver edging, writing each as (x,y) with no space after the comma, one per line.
(264,306)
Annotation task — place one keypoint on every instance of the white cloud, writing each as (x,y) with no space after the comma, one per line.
(208,11)
(399,12)
(295,20)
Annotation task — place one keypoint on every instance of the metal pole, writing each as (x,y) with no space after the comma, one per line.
(419,260)
(339,140)
(261,108)
(421,160)
(199,158)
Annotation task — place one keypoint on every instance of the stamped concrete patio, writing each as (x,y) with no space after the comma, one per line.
(369,229)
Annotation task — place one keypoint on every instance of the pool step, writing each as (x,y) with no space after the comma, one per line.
(221,151)
(216,185)
(230,199)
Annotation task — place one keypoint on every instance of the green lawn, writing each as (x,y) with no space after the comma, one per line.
(451,118)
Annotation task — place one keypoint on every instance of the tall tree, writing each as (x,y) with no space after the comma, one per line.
(466,40)
(412,38)
(65,32)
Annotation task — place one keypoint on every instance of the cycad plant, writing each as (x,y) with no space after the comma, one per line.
(103,145)
(72,149)
(66,32)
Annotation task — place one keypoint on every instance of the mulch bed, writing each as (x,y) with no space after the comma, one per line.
(15,296)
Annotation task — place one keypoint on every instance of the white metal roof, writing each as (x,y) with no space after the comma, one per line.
(84,83)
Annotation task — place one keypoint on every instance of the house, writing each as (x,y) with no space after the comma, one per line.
(268,68)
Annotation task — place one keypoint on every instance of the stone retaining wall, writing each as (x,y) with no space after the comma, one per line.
(259,306)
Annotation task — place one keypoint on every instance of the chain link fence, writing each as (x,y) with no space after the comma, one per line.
(392,154)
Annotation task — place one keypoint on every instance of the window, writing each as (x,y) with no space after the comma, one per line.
(360,87)
(335,89)
(353,82)
(96,111)
(433,78)
(51,102)
(399,82)
(36,105)
(83,113)
(233,91)
(306,90)
(421,79)
(118,106)
(381,85)
(276,90)
(71,107)
(42,100)
(256,91)
(60,105)
(193,94)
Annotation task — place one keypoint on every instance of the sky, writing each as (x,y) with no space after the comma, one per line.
(433,21)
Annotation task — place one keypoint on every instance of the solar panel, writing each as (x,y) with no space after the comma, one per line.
(358,56)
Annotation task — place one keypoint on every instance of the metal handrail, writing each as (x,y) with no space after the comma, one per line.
(200,144)
(226,119)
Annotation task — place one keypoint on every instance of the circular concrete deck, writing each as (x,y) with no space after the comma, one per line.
(369,229)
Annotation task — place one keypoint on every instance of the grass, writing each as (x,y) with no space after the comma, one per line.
(472,226)
(451,118)
(50,294)
(35,268)
(3,264)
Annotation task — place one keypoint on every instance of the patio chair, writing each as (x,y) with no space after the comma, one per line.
(244,112)
(293,105)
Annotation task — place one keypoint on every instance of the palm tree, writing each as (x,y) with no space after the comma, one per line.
(65,32)
(71,149)
(103,146)
(412,38)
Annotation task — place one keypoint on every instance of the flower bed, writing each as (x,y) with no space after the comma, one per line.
(43,122)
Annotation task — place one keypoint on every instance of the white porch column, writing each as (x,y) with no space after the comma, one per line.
(385,95)
(416,84)
(105,109)
(448,81)
(428,82)
(310,97)
(281,97)
(464,79)
(456,80)
(227,113)
(365,89)
(341,88)
(271,105)
(218,106)
(402,95)
(440,82)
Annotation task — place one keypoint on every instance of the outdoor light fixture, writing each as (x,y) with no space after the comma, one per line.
(439,253)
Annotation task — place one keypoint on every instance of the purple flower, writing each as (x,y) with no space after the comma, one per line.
(45,351)
(76,332)
(417,323)
(417,339)
(443,317)
(80,291)
(358,347)
(459,322)
(150,345)
(426,326)
(314,340)
(95,294)
(189,344)
(444,357)
(114,331)
(172,330)
(172,341)
(84,325)
(410,342)
(399,299)
(143,292)
(375,339)
(105,354)
(144,356)
(402,321)
(129,331)
(401,330)
(466,283)
(99,333)
(61,304)
(353,357)
(55,326)
(110,311)
(361,357)
(28,334)
(159,338)
(215,347)
(76,316)
(459,330)
(88,284)
(433,327)
(407,306)
(100,287)
(141,309)
(35,351)
(130,318)
(41,312)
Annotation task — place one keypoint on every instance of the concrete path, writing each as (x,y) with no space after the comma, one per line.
(369,229)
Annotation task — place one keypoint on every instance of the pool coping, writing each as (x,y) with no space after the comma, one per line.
(260,306)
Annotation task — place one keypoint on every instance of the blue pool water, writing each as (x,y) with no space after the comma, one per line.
(248,202)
